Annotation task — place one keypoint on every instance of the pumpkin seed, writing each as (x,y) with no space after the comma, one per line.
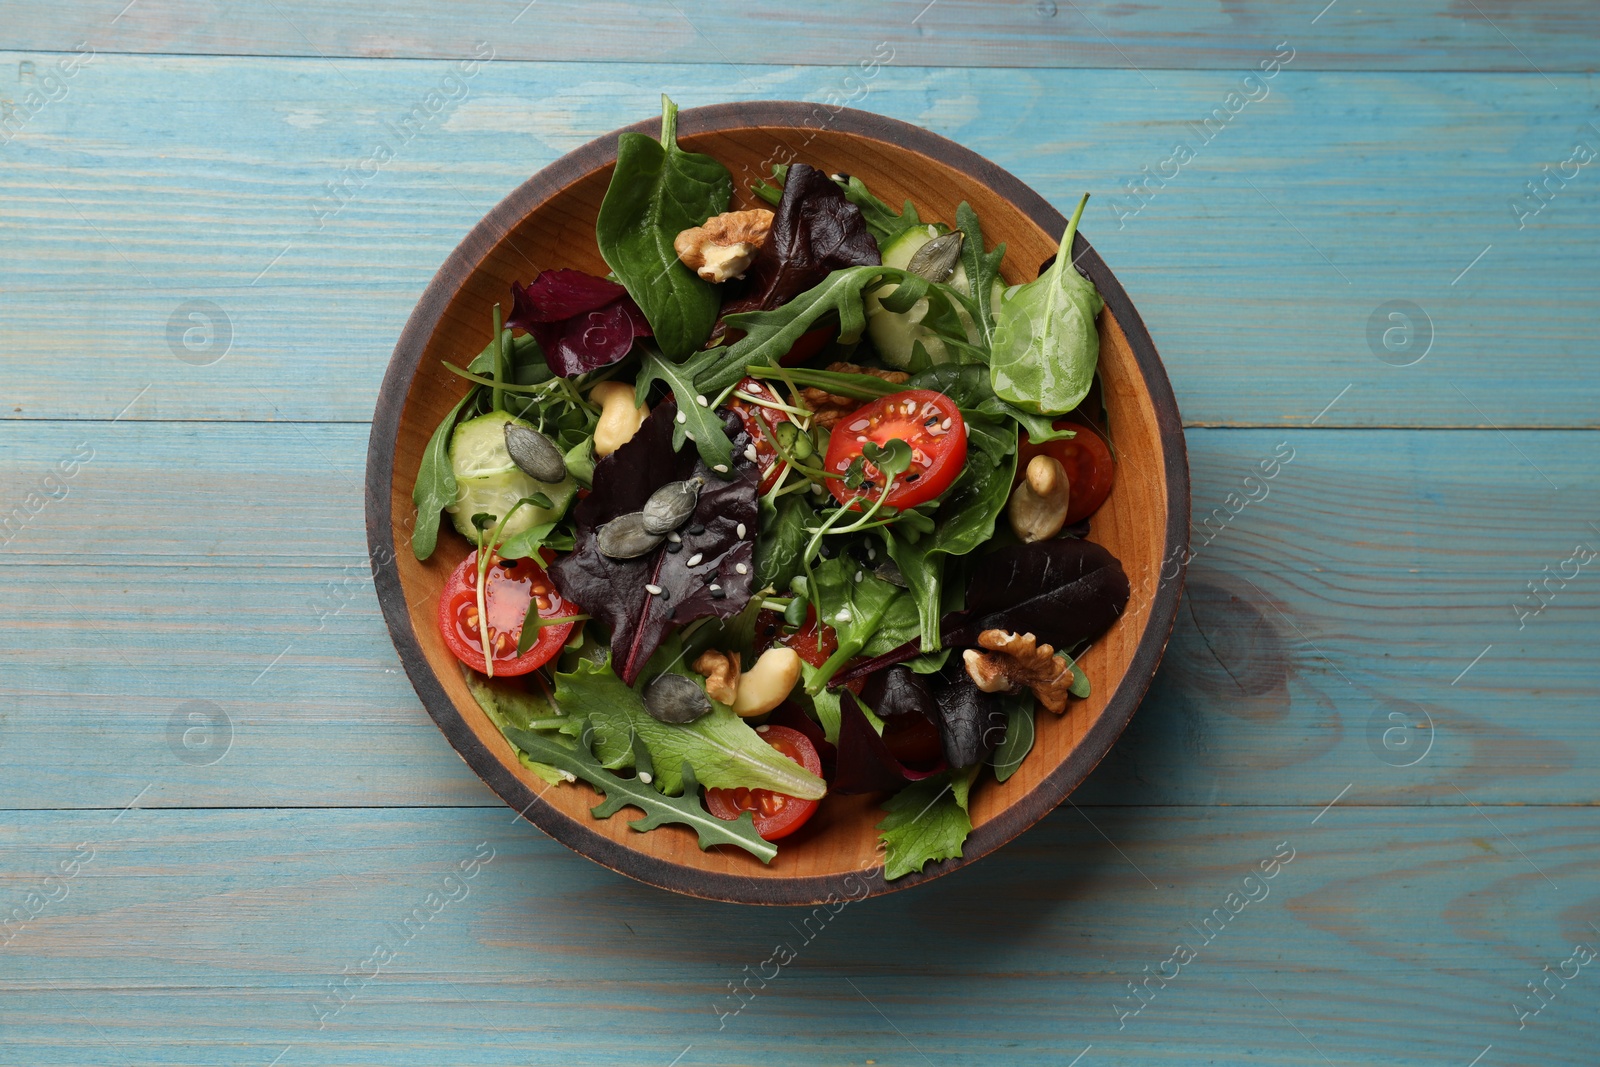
(625,537)
(937,259)
(535,454)
(676,699)
(671,505)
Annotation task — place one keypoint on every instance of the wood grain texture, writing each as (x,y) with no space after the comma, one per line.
(1396,937)
(1377,567)
(1548,35)
(1257,268)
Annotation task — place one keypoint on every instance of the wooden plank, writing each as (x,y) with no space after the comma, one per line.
(1259,268)
(1400,937)
(1550,35)
(1371,571)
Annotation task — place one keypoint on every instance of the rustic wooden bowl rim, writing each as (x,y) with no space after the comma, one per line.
(636,862)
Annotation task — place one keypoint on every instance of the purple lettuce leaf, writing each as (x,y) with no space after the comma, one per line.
(582,323)
(614,590)
(864,763)
(815,232)
(972,723)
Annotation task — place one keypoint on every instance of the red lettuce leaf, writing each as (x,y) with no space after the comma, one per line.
(1064,592)
(864,763)
(613,590)
(815,232)
(582,323)
(972,723)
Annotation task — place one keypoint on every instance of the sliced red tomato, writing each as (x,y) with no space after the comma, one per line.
(814,642)
(927,421)
(810,343)
(756,418)
(1087,460)
(776,814)
(510,585)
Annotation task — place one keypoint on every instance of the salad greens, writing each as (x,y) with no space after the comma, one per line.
(1045,344)
(659,809)
(777,536)
(657,191)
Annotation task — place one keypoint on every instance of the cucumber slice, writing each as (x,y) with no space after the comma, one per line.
(896,335)
(488,482)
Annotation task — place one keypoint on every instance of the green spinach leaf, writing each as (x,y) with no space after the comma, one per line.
(657,191)
(659,810)
(1046,345)
(781,539)
(435,488)
(882,220)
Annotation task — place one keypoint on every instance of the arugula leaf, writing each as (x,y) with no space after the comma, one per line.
(1045,345)
(1010,753)
(725,751)
(656,192)
(632,792)
(698,420)
(927,820)
(768,335)
(983,269)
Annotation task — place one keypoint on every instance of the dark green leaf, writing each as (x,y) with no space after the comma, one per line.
(658,810)
(781,539)
(882,220)
(983,269)
(1019,735)
(435,488)
(657,191)
(694,419)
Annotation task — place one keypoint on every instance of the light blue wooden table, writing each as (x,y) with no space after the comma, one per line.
(220,793)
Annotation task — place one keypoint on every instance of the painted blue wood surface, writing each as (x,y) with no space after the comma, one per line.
(1259,268)
(1355,637)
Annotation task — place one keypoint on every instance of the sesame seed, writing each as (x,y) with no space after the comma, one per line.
(740,568)
(693,561)
(646,777)
(762,729)
(740,529)
(569,776)
(843,616)
(750,453)
(872,553)
(945,424)
(859,576)
(700,399)
(653,590)
(675,537)
(682,418)
(720,468)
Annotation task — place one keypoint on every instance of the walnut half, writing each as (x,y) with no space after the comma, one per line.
(721,670)
(1017,661)
(723,246)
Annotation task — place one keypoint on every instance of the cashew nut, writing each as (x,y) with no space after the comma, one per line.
(1038,507)
(619,418)
(767,684)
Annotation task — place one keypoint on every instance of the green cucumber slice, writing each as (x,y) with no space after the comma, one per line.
(488,482)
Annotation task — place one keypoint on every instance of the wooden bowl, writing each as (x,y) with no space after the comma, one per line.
(549,222)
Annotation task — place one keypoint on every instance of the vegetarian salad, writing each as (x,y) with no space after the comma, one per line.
(791,504)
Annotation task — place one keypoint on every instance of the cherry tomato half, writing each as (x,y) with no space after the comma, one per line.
(509,587)
(927,421)
(755,417)
(776,814)
(1087,460)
